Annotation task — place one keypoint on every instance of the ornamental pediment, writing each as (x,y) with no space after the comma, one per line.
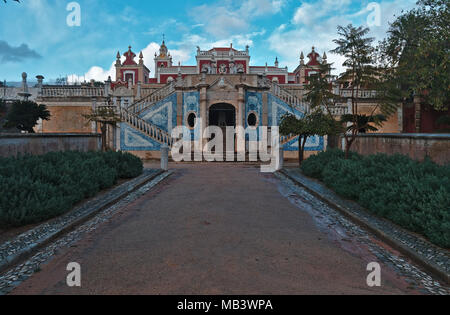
(222,84)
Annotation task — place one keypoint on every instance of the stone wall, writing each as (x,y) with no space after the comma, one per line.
(416,146)
(68,119)
(37,144)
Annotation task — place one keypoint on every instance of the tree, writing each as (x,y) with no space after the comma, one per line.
(24,115)
(364,123)
(320,94)
(2,106)
(313,124)
(361,72)
(105,115)
(417,52)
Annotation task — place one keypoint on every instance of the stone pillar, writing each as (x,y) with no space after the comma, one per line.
(179,107)
(240,122)
(138,93)
(203,111)
(165,157)
(418,113)
(265,109)
(94,108)
(280,163)
(108,86)
(241,109)
(400,118)
(40,80)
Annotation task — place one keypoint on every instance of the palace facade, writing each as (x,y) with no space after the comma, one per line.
(221,89)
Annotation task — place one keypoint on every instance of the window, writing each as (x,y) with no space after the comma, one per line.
(252,120)
(191,120)
(129,76)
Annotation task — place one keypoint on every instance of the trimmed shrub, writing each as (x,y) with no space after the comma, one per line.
(414,195)
(37,188)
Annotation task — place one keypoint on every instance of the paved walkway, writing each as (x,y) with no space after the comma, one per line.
(214,229)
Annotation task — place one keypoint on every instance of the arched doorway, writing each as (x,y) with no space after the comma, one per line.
(223,115)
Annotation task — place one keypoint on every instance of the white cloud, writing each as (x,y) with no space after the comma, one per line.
(315,24)
(98,73)
(94,73)
(226,19)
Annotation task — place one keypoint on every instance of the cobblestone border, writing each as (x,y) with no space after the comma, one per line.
(434,259)
(26,244)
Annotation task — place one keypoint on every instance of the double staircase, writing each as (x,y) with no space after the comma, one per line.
(288,98)
(150,100)
(131,115)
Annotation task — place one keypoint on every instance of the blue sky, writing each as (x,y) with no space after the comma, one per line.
(34,35)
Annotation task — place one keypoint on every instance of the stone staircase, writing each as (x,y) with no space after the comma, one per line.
(131,117)
(150,130)
(150,100)
(287,97)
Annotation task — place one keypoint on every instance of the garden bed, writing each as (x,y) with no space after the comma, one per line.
(414,195)
(34,189)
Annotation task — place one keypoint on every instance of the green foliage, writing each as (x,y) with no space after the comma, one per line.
(414,195)
(312,124)
(2,106)
(357,49)
(363,123)
(417,50)
(319,88)
(443,120)
(24,115)
(37,188)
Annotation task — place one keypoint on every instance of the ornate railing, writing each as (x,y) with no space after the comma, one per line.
(337,110)
(287,97)
(359,94)
(287,139)
(216,53)
(68,91)
(149,100)
(148,129)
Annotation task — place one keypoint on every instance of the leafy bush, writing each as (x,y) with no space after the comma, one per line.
(414,195)
(37,188)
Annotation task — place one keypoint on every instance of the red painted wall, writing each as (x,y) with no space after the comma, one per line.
(281,78)
(429,116)
(165,63)
(164,77)
(136,74)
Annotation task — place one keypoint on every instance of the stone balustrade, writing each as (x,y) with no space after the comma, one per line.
(151,99)
(71,91)
(359,94)
(223,53)
(287,97)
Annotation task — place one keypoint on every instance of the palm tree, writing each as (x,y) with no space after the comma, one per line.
(361,72)
(358,124)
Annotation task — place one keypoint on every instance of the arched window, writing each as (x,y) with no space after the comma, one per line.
(191,120)
(252,120)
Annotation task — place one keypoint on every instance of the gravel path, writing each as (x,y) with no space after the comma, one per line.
(223,229)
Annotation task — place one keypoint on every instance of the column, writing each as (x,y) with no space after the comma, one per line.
(179,108)
(240,138)
(203,112)
(265,110)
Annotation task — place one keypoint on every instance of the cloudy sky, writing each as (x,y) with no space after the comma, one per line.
(35,36)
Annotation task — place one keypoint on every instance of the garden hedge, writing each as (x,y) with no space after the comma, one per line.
(36,188)
(412,194)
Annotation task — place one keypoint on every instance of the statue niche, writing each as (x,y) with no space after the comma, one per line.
(223,69)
